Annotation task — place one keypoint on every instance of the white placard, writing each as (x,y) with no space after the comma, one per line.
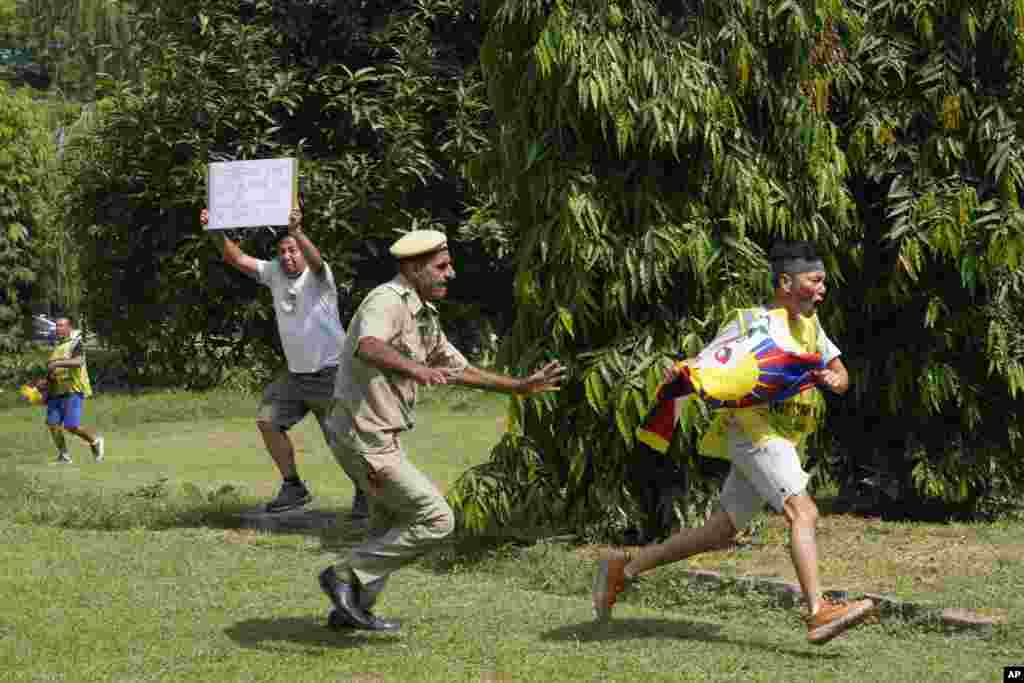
(249,194)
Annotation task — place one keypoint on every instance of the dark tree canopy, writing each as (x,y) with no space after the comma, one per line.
(379,101)
(626,166)
(648,154)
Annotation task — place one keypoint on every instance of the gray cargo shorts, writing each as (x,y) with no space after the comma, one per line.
(291,396)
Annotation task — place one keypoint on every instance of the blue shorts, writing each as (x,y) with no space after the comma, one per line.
(66,410)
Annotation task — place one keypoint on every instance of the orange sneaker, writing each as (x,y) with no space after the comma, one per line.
(834,617)
(608,583)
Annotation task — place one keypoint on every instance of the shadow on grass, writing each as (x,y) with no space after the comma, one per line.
(472,550)
(343,536)
(271,634)
(333,526)
(638,629)
(32,500)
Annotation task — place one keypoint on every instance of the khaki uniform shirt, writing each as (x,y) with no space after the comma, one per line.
(373,405)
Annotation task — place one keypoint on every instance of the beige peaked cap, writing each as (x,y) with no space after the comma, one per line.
(418,243)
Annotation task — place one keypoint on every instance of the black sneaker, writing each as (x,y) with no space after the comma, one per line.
(347,613)
(290,497)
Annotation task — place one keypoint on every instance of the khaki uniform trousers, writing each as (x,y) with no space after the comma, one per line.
(408,514)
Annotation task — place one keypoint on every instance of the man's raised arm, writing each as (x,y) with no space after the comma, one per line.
(229,249)
(314,260)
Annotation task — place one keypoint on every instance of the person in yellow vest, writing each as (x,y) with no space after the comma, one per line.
(764,443)
(68,388)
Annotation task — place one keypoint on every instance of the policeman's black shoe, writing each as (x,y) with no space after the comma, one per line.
(378,624)
(345,598)
(338,622)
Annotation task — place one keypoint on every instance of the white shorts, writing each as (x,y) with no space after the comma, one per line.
(768,473)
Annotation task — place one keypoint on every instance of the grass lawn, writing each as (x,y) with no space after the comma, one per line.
(110,574)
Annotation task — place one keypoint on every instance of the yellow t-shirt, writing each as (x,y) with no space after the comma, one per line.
(69,380)
(794,419)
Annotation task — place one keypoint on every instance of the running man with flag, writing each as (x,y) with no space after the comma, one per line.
(759,373)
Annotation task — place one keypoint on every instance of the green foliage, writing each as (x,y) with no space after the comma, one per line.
(26,153)
(8,18)
(108,372)
(380,104)
(78,43)
(18,368)
(929,104)
(647,154)
(58,286)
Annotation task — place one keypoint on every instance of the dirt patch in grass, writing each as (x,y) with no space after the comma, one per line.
(864,555)
(871,555)
(240,536)
(226,440)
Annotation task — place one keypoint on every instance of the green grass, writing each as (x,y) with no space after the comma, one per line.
(131,571)
(186,605)
(211,439)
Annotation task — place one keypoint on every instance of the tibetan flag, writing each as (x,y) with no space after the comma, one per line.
(759,365)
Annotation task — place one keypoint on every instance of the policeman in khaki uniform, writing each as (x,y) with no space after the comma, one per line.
(395,344)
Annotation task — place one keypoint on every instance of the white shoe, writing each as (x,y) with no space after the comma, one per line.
(97,449)
(63,458)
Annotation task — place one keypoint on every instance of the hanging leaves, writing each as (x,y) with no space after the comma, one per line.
(672,159)
(26,190)
(385,111)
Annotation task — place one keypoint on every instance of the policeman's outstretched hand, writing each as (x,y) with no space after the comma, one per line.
(546,379)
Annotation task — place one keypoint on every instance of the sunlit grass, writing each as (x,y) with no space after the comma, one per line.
(135,569)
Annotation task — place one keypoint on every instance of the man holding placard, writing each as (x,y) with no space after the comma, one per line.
(306,309)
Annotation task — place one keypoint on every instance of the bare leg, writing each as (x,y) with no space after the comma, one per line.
(717,532)
(279,445)
(57,433)
(802,515)
(87,435)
